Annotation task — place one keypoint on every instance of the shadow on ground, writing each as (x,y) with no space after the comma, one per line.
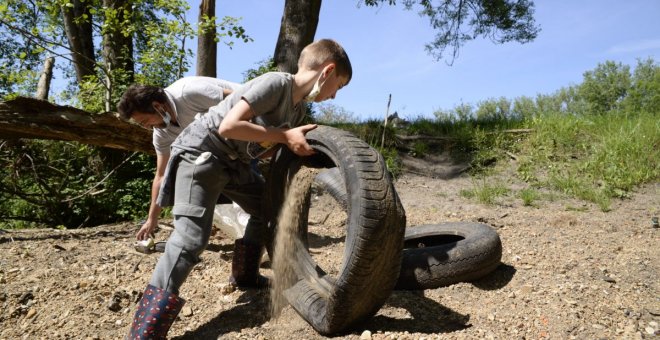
(426,316)
(252,311)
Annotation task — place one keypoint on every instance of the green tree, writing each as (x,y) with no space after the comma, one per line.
(327,113)
(459,21)
(524,107)
(605,87)
(644,94)
(494,109)
(22,26)
(66,183)
(139,40)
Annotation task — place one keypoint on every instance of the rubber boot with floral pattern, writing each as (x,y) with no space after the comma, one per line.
(155,314)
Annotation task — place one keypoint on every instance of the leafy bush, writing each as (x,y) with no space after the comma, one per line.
(51,183)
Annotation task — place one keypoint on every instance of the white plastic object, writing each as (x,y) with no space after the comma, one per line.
(231,220)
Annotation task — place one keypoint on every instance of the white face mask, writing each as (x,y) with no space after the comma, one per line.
(317,87)
(167,119)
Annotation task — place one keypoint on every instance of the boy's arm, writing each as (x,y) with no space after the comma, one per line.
(237,125)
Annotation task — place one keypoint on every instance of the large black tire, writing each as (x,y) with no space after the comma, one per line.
(374,235)
(330,181)
(437,255)
(454,252)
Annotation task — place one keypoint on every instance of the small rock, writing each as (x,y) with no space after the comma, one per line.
(118,322)
(25,298)
(609,279)
(31,313)
(491,317)
(649,330)
(630,329)
(653,324)
(227,289)
(114,304)
(526,289)
(186,311)
(366,335)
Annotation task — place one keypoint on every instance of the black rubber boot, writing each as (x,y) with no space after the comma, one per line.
(155,314)
(245,266)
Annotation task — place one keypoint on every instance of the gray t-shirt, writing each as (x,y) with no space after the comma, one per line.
(271,98)
(189,97)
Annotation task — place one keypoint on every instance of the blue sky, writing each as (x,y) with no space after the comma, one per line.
(386,47)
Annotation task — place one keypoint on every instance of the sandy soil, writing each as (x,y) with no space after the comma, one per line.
(569,271)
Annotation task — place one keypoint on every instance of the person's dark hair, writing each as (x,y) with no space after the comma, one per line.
(140,98)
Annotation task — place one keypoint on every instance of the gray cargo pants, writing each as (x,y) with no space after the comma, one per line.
(200,179)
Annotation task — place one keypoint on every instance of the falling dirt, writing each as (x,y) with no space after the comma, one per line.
(287,242)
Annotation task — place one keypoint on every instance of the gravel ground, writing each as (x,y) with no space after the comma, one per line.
(569,271)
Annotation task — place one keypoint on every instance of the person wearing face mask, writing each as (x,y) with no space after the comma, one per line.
(212,157)
(167,111)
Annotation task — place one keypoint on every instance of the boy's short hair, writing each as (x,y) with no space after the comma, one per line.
(139,98)
(324,50)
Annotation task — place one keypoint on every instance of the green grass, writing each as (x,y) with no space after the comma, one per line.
(529,196)
(593,158)
(485,192)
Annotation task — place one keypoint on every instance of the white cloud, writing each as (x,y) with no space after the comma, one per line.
(635,46)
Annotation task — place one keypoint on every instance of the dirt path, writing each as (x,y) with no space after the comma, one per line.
(569,271)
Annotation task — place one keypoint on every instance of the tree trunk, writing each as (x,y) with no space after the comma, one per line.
(207,47)
(80,36)
(31,118)
(297,30)
(117,48)
(43,87)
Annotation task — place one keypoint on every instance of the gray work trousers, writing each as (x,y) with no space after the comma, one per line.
(200,179)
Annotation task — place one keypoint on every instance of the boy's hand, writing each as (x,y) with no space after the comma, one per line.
(296,141)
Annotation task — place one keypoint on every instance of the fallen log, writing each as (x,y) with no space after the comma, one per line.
(39,119)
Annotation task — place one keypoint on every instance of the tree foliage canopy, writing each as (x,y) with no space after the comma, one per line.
(154,48)
(459,21)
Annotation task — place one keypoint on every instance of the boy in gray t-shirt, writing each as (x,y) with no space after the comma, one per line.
(212,157)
